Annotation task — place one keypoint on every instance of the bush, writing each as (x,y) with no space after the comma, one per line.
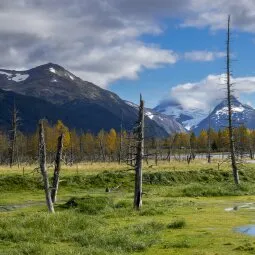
(177,224)
(89,205)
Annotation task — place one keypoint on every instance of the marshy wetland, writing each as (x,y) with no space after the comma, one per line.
(183,212)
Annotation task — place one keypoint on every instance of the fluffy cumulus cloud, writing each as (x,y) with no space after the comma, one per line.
(95,39)
(194,13)
(213,14)
(100,40)
(207,93)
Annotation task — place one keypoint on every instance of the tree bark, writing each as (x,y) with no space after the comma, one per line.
(230,121)
(209,139)
(43,167)
(57,169)
(120,145)
(13,134)
(139,157)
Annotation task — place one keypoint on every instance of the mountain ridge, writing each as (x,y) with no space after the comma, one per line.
(87,105)
(189,118)
(167,122)
(243,114)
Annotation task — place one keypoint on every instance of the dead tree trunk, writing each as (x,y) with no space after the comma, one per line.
(13,134)
(120,145)
(71,150)
(102,149)
(230,120)
(139,157)
(156,154)
(209,156)
(43,167)
(57,169)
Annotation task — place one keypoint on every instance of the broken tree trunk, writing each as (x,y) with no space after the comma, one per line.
(43,167)
(139,157)
(57,168)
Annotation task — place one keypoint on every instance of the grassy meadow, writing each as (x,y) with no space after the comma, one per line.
(183,210)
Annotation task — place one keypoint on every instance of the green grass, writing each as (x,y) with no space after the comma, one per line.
(182,213)
(177,224)
(82,234)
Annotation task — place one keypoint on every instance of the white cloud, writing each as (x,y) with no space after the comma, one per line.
(207,93)
(205,13)
(104,65)
(100,40)
(93,39)
(195,13)
(203,56)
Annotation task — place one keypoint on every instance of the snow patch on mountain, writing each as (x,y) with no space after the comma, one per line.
(224,110)
(188,117)
(61,73)
(242,115)
(52,70)
(5,73)
(70,76)
(149,115)
(169,123)
(17,77)
(20,77)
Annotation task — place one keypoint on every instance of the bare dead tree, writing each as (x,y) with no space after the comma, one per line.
(57,169)
(156,152)
(139,157)
(102,145)
(120,145)
(230,111)
(209,156)
(71,150)
(43,167)
(13,134)
(172,140)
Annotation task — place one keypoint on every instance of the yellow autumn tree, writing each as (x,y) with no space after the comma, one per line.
(50,137)
(111,142)
(202,140)
(101,143)
(88,141)
(60,128)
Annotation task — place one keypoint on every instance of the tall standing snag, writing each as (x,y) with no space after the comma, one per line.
(209,156)
(139,157)
(230,120)
(13,135)
(43,167)
(120,145)
(57,169)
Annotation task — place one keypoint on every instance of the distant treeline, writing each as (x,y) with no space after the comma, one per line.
(113,146)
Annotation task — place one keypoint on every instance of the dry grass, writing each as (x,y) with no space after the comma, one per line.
(88,168)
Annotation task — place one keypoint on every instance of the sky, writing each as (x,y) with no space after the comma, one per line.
(165,49)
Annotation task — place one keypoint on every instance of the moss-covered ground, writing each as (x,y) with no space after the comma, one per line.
(183,210)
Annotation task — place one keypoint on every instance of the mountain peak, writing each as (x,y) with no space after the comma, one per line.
(234,100)
(47,66)
(189,118)
(52,70)
(242,115)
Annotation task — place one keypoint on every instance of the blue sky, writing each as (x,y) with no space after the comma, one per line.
(155,84)
(164,49)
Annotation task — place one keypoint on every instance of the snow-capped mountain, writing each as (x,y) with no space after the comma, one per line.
(242,115)
(168,123)
(189,118)
(80,104)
